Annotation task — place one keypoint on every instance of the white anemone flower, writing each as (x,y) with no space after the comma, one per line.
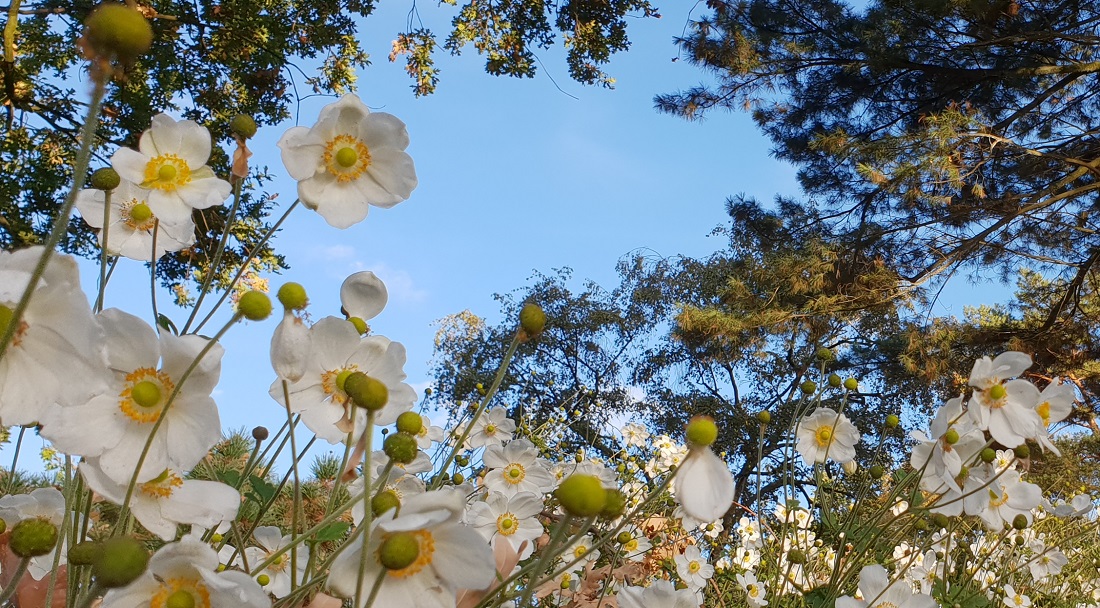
(1055,404)
(185,573)
(429,433)
(448,556)
(167,500)
(42,503)
(512,520)
(271,540)
(1048,561)
(147,371)
(999,502)
(1005,409)
(363,295)
(826,434)
(336,352)
(582,552)
(493,427)
(1015,599)
(515,468)
(704,485)
(879,592)
(351,159)
(171,163)
(693,570)
(754,590)
(56,354)
(131,223)
(660,594)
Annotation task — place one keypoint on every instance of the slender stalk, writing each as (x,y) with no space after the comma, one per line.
(9,591)
(210,270)
(15,459)
(103,250)
(368,435)
(153,276)
(297,504)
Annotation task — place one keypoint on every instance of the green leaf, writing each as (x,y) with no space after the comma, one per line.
(333,531)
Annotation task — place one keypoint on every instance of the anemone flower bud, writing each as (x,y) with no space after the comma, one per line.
(290,348)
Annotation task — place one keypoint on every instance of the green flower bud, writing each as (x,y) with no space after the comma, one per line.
(835,381)
(624,537)
(244,126)
(701,431)
(824,354)
(796,556)
(254,305)
(614,506)
(764,417)
(384,501)
(83,554)
(410,422)
(892,421)
(462,461)
(120,562)
(293,296)
(921,525)
(260,433)
(1020,521)
(877,471)
(399,550)
(989,455)
(851,384)
(400,447)
(1022,451)
(366,392)
(532,320)
(941,520)
(116,31)
(581,495)
(105,179)
(458,478)
(809,387)
(33,537)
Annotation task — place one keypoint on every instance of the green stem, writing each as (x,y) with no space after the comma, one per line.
(210,270)
(9,591)
(103,250)
(368,513)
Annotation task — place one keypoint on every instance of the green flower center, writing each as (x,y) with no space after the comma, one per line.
(342,378)
(824,436)
(167,173)
(346,157)
(997,392)
(263,579)
(146,393)
(399,551)
(141,212)
(180,599)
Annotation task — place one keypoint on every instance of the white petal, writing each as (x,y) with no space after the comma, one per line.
(363,295)
(704,485)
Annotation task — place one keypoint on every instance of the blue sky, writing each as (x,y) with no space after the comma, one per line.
(515,176)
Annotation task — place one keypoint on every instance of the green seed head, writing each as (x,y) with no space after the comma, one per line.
(263,580)
(614,506)
(120,562)
(384,501)
(401,448)
(624,537)
(877,471)
(254,305)
(366,392)
(764,417)
(410,422)
(146,393)
(293,296)
(140,213)
(989,455)
(83,554)
(183,599)
(809,387)
(33,537)
(796,556)
(851,384)
(1022,451)
(347,157)
(532,320)
(116,31)
(458,478)
(701,431)
(997,391)
(892,421)
(582,495)
(243,126)
(399,551)
(105,179)
(951,437)
(1020,522)
(835,381)
(941,520)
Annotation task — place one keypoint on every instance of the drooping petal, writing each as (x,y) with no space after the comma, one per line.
(704,485)
(363,295)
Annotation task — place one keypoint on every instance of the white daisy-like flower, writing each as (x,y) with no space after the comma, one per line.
(147,370)
(1048,561)
(337,351)
(635,435)
(443,556)
(636,545)
(693,570)
(826,434)
(171,163)
(513,520)
(185,573)
(493,427)
(703,485)
(1015,599)
(878,591)
(515,468)
(754,590)
(56,353)
(131,223)
(1055,404)
(581,550)
(167,500)
(397,482)
(42,503)
(660,594)
(349,160)
(1005,409)
(271,540)
(1001,499)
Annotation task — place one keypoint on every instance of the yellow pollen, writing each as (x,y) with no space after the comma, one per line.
(166,172)
(996,500)
(580,551)
(6,315)
(330,382)
(824,436)
(506,524)
(1044,412)
(137,215)
(346,158)
(490,429)
(174,589)
(631,545)
(427,548)
(694,566)
(137,407)
(514,473)
(162,486)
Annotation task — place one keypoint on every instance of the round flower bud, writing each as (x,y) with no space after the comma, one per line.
(83,554)
(458,478)
(824,354)
(877,471)
(582,495)
(292,296)
(384,501)
(796,556)
(892,421)
(254,306)
(851,384)
(988,455)
(121,560)
(410,422)
(260,433)
(835,381)
(263,579)
(941,520)
(117,31)
(951,437)
(400,447)
(105,179)
(921,525)
(532,319)
(399,551)
(614,506)
(701,431)
(33,537)
(366,392)
(764,417)
(1022,451)
(3,524)
(809,387)
(462,461)
(244,126)
(1020,521)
